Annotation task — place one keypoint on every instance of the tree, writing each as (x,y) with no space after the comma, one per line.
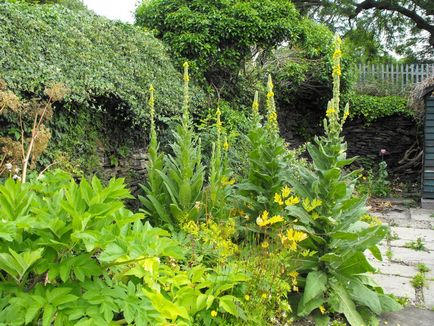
(217,37)
(401,24)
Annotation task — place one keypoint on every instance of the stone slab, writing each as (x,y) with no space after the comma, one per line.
(428,294)
(397,285)
(408,317)
(429,245)
(412,257)
(420,214)
(413,233)
(389,268)
(427,203)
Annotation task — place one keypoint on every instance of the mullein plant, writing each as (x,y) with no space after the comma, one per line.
(268,159)
(332,265)
(220,182)
(182,174)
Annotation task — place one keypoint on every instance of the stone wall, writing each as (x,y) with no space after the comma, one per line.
(395,134)
(132,167)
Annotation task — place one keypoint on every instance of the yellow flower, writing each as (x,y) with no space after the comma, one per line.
(322,309)
(185,65)
(213,313)
(226,146)
(265,245)
(346,114)
(226,181)
(309,206)
(337,70)
(293,274)
(293,200)
(264,221)
(337,54)
(247,297)
(330,111)
(270,94)
(296,236)
(295,288)
(278,199)
(151,88)
(264,296)
(286,191)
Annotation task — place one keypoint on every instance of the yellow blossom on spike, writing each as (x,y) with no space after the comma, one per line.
(226,146)
(322,309)
(278,199)
(255,105)
(213,314)
(337,70)
(286,191)
(265,245)
(270,94)
(247,297)
(337,54)
(225,181)
(151,88)
(330,111)
(293,200)
(293,274)
(186,76)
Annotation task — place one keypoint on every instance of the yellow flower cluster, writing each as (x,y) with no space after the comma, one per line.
(294,281)
(226,145)
(225,181)
(337,70)
(292,238)
(283,197)
(330,111)
(264,219)
(309,206)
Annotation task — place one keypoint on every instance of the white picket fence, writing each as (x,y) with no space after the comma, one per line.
(398,74)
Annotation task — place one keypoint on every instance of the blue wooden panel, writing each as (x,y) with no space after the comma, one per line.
(428,195)
(429,156)
(429,136)
(429,123)
(428,189)
(428,183)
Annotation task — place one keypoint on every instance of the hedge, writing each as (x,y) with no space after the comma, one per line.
(101,61)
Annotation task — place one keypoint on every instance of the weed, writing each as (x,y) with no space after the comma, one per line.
(418,280)
(418,245)
(422,268)
(389,254)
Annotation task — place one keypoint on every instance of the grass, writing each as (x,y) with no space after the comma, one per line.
(422,268)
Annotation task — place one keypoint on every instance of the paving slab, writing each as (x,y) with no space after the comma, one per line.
(390,268)
(408,317)
(412,234)
(412,257)
(429,245)
(428,293)
(397,285)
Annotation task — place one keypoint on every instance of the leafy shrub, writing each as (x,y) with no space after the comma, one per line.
(106,64)
(217,36)
(72,254)
(372,108)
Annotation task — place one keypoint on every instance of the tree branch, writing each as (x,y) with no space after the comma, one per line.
(421,23)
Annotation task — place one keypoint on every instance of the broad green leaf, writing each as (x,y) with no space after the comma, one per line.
(228,304)
(346,305)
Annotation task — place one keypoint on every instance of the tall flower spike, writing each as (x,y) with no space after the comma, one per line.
(186,94)
(271,107)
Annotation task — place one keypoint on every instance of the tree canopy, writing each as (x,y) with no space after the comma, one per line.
(402,25)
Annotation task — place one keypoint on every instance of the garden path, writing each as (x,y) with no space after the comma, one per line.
(402,252)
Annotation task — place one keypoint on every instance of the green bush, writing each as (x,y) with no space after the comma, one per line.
(72,254)
(372,108)
(105,64)
(217,36)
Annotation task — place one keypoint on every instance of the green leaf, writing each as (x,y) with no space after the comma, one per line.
(228,304)
(316,282)
(345,305)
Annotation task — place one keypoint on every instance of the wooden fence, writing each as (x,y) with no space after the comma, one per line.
(397,74)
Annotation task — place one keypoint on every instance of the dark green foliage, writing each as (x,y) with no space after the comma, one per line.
(372,108)
(104,63)
(217,36)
